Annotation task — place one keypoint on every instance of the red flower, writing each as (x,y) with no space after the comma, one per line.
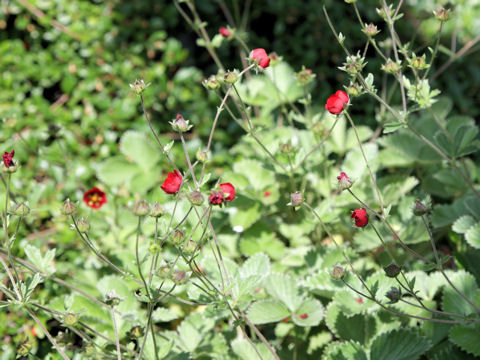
(359,300)
(361,217)
(95,198)
(229,190)
(172,183)
(224,32)
(8,158)
(260,57)
(216,198)
(344,181)
(303,316)
(336,103)
(267,193)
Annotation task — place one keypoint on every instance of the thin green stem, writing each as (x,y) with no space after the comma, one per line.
(117,340)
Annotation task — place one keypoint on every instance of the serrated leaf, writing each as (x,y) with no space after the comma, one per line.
(43,262)
(452,301)
(467,338)
(27,287)
(258,264)
(344,351)
(284,288)
(473,236)
(267,311)
(137,148)
(358,328)
(115,171)
(463,223)
(163,315)
(399,344)
(259,177)
(312,312)
(245,351)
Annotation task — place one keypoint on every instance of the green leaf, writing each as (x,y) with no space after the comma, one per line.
(393,126)
(313,309)
(467,338)
(43,262)
(473,236)
(245,351)
(27,287)
(318,341)
(267,311)
(284,288)
(258,264)
(452,301)
(163,315)
(259,177)
(463,223)
(138,149)
(344,351)
(115,171)
(349,328)
(399,344)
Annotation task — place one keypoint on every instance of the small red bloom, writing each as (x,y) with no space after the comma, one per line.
(8,158)
(336,102)
(359,300)
(303,316)
(361,217)
(216,198)
(224,32)
(344,181)
(95,198)
(267,193)
(260,57)
(172,183)
(286,320)
(228,190)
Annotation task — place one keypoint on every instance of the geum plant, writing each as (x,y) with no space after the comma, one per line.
(378,288)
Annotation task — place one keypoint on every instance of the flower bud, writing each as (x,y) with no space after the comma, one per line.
(344,181)
(112,299)
(385,16)
(354,90)
(69,208)
(177,238)
(420,208)
(136,332)
(163,272)
(296,198)
(154,248)
(202,156)
(391,67)
(63,339)
(370,30)
(139,86)
(231,77)
(305,76)
(179,277)
(338,273)
(21,209)
(442,15)
(211,83)
(196,198)
(392,270)
(190,247)
(179,124)
(157,211)
(286,148)
(83,225)
(220,76)
(394,295)
(216,197)
(24,348)
(418,63)
(70,319)
(141,208)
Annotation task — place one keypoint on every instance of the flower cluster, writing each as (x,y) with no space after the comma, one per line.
(337,102)
(226,194)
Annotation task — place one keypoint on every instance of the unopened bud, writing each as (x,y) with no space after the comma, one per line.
(370,30)
(305,76)
(190,247)
(136,332)
(63,339)
(177,237)
(392,270)
(83,225)
(420,208)
(179,277)
(344,181)
(220,76)
(179,124)
(11,169)
(157,210)
(196,198)
(70,319)
(394,295)
(141,208)
(112,299)
(442,15)
(231,77)
(211,83)
(391,67)
(418,63)
(163,272)
(202,156)
(354,90)
(21,209)
(154,248)
(338,272)
(139,86)
(296,198)
(69,208)
(286,148)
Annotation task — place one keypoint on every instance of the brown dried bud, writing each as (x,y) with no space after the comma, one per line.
(296,198)
(392,270)
(141,208)
(69,208)
(338,272)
